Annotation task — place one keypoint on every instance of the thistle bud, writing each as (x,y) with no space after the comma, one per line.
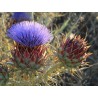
(73,51)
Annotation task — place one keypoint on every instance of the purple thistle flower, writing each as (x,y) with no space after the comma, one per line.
(29,33)
(22,16)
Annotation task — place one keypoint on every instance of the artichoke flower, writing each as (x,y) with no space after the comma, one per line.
(30,50)
(19,17)
(22,16)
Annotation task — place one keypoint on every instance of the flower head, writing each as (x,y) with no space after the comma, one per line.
(29,33)
(30,37)
(19,17)
(74,51)
(22,16)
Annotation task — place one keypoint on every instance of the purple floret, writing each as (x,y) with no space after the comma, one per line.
(29,33)
(22,16)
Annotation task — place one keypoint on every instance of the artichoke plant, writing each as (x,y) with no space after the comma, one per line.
(22,16)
